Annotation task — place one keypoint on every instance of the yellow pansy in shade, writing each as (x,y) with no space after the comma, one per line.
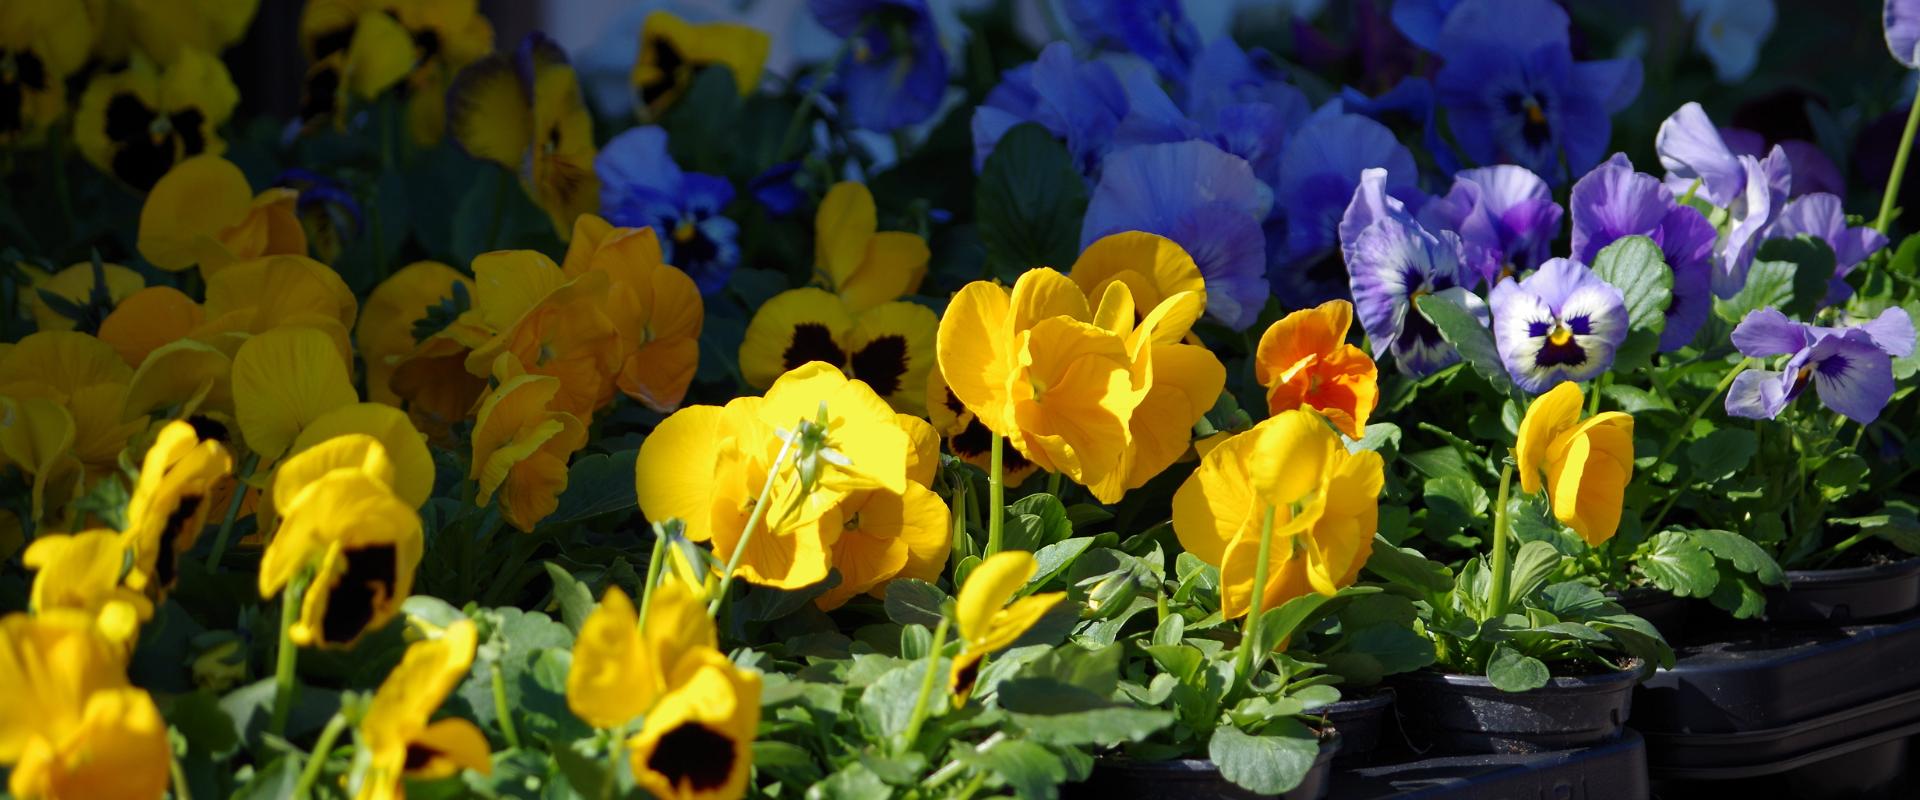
(966,437)
(697,742)
(399,733)
(162,29)
(524,111)
(185,380)
(75,284)
(1033,367)
(70,724)
(655,308)
(550,326)
(86,377)
(148,318)
(260,294)
(1584,466)
(433,383)
(521,444)
(364,544)
(889,346)
(36,435)
(44,41)
(385,330)
(137,123)
(619,669)
(1324,501)
(283,380)
(368,46)
(673,51)
(171,502)
(989,617)
(86,572)
(204,212)
(413,470)
(1152,267)
(1304,360)
(853,258)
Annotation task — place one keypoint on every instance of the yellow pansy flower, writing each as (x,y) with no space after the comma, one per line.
(413,470)
(885,536)
(673,51)
(85,572)
(399,733)
(697,742)
(889,346)
(260,294)
(368,46)
(203,212)
(1586,465)
(1324,502)
(620,670)
(853,258)
(70,724)
(162,29)
(364,544)
(966,437)
(385,330)
(43,42)
(433,383)
(550,326)
(187,380)
(655,308)
(989,617)
(283,380)
(36,435)
(521,443)
(171,502)
(137,123)
(1304,360)
(75,284)
(1152,267)
(148,318)
(86,377)
(524,111)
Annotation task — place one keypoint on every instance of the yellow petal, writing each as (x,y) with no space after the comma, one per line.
(59,363)
(988,589)
(790,329)
(489,112)
(1152,267)
(508,283)
(381,53)
(385,329)
(676,467)
(451,745)
(76,284)
(975,350)
(895,264)
(841,229)
(184,376)
(1589,478)
(405,447)
(283,380)
(890,348)
(1041,293)
(188,209)
(148,319)
(611,679)
(1547,417)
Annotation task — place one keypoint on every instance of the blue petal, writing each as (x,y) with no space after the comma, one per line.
(1852,375)
(1901,19)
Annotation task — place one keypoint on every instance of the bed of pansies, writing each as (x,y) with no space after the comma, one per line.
(954,398)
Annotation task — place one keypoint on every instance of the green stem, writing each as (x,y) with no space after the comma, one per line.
(233,512)
(926,687)
(179,775)
(287,655)
(616,750)
(317,761)
(504,184)
(996,497)
(753,521)
(501,709)
(1899,169)
(1257,597)
(1502,570)
(1053,484)
(1726,380)
(654,561)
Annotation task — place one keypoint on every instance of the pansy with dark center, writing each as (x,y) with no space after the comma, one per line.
(21,71)
(1851,368)
(694,756)
(360,593)
(1392,261)
(1562,323)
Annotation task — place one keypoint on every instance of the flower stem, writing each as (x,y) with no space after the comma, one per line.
(1053,484)
(501,709)
(233,512)
(654,562)
(287,654)
(179,777)
(753,521)
(1726,380)
(1899,168)
(996,497)
(1502,568)
(1257,597)
(926,687)
(317,761)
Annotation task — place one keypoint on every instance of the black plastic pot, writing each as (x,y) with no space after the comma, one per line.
(1615,770)
(1466,714)
(1846,596)
(1359,721)
(1856,752)
(1184,778)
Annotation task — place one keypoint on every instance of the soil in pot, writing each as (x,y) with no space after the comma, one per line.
(1466,714)
(1119,778)
(1360,720)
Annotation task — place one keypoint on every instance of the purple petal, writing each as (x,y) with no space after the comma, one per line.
(1752,211)
(1691,149)
(1686,240)
(1901,19)
(1813,171)
(1616,82)
(1391,261)
(1614,201)
(1757,394)
(1852,375)
(1892,332)
(1767,332)
(1319,169)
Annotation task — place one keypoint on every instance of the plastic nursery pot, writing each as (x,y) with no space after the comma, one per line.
(1116,778)
(1466,714)
(1359,720)
(1844,596)
(1615,769)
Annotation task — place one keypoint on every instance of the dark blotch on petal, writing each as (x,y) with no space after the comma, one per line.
(170,536)
(694,756)
(187,125)
(127,118)
(332,41)
(813,342)
(1567,354)
(206,428)
(352,602)
(882,363)
(668,59)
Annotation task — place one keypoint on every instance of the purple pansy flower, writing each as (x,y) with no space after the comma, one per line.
(1562,323)
(1079,102)
(1820,216)
(1813,171)
(1851,368)
(1392,261)
(1901,20)
(1410,102)
(895,72)
(1752,190)
(1155,30)
(1203,198)
(1321,168)
(1614,201)
(641,186)
(1514,94)
(1420,20)
(1505,216)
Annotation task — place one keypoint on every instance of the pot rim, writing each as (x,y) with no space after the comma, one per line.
(1378,697)
(1892,569)
(1618,680)
(1329,745)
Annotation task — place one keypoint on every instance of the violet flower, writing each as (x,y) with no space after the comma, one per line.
(1562,323)
(1505,216)
(1851,368)
(1820,216)
(1392,260)
(1614,201)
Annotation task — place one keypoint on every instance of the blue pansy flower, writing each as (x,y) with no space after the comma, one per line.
(1319,172)
(1082,103)
(1514,94)
(1562,323)
(1505,216)
(641,186)
(1900,20)
(1821,216)
(1157,31)
(1391,262)
(776,190)
(895,72)
(1751,190)
(1201,197)
(1851,368)
(1614,201)
(1411,100)
(1420,20)
(1243,103)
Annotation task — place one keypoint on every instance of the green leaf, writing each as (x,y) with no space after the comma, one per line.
(1056,558)
(206,726)
(1676,563)
(596,484)
(1395,648)
(1532,564)
(1407,567)
(572,595)
(1028,202)
(911,601)
(1813,261)
(1457,502)
(1029,769)
(886,705)
(276,780)
(1269,764)
(1635,266)
(1052,516)
(853,782)
(1769,284)
(1741,552)
(1467,334)
(1512,671)
(1722,454)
